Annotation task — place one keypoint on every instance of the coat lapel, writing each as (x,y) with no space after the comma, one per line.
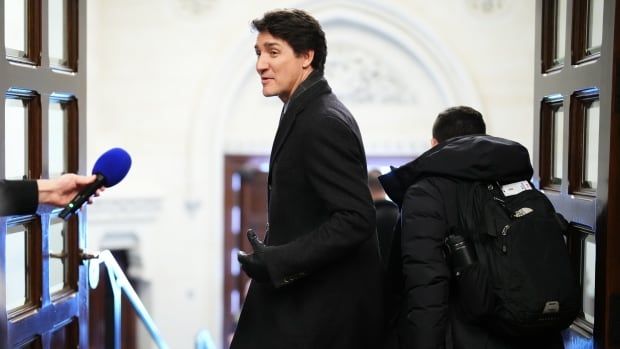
(284,128)
(314,85)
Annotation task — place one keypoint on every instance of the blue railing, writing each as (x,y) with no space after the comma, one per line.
(120,285)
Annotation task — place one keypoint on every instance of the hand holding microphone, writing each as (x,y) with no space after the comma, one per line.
(111,167)
(59,191)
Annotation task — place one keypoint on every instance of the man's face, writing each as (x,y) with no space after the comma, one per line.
(280,70)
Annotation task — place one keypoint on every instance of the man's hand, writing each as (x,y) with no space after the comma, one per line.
(59,191)
(254,264)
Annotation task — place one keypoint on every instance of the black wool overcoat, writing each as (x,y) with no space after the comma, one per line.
(323,260)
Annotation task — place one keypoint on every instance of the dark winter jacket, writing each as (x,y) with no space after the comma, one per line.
(323,259)
(423,314)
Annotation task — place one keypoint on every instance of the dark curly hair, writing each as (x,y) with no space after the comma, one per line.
(300,30)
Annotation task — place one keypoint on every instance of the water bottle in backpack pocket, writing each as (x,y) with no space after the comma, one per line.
(471,280)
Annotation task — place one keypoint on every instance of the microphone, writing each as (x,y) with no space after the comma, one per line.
(111,167)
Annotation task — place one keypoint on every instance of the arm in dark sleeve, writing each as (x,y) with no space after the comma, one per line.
(336,170)
(426,274)
(18,197)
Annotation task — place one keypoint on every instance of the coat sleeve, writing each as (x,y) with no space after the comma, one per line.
(426,274)
(335,168)
(18,197)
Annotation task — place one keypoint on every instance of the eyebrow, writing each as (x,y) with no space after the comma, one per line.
(269,45)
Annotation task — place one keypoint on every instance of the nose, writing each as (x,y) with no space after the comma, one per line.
(261,63)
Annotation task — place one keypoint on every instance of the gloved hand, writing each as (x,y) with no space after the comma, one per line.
(254,264)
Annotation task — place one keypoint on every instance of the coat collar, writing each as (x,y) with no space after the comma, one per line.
(314,85)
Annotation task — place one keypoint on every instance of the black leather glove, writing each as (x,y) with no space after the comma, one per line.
(254,264)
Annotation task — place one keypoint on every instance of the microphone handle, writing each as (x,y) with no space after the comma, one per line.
(82,197)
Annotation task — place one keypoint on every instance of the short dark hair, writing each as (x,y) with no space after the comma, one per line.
(300,30)
(458,121)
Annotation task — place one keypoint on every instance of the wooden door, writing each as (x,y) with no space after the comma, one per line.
(245,208)
(43,287)
(576,150)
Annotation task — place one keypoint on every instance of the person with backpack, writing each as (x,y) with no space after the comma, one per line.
(460,281)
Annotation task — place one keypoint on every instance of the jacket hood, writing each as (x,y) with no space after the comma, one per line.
(472,158)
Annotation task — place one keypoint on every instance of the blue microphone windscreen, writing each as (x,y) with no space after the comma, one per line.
(113,165)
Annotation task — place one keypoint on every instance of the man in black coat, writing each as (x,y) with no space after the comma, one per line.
(387,214)
(427,315)
(317,278)
(23,196)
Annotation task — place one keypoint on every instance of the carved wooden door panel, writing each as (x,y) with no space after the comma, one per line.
(576,150)
(43,284)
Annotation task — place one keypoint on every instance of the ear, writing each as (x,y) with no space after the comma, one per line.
(308,56)
(434,142)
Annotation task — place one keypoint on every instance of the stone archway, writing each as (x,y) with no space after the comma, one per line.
(388,69)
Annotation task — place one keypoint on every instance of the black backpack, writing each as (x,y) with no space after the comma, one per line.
(523,283)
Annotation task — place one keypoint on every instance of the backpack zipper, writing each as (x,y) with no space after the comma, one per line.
(505,238)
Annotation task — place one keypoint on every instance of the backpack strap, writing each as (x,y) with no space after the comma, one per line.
(473,223)
(462,200)
(465,223)
(465,197)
